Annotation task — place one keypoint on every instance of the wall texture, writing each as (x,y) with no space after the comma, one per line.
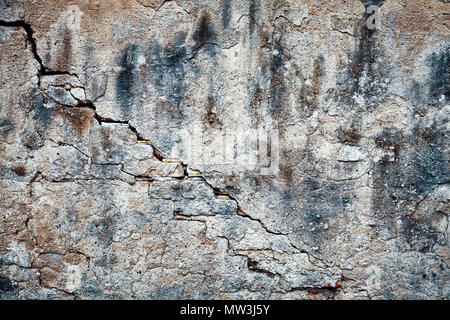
(99,198)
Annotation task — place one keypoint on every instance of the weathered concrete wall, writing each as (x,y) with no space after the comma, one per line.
(96,98)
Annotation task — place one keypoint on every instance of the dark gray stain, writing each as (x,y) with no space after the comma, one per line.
(127,80)
(5,125)
(309,94)
(363,60)
(313,222)
(105,262)
(205,32)
(363,63)
(226,13)
(349,135)
(420,166)
(277,87)
(40,111)
(91,288)
(420,237)
(256,103)
(439,77)
(103,229)
(167,69)
(436,91)
(5,4)
(5,284)
(110,153)
(252,15)
(417,96)
(322,204)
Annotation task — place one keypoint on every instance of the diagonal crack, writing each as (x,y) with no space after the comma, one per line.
(156,153)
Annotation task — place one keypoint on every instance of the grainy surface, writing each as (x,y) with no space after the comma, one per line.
(95,97)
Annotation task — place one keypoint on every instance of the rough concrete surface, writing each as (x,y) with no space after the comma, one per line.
(100,200)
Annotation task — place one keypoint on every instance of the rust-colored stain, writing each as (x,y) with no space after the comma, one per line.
(79,118)
(314,292)
(336,285)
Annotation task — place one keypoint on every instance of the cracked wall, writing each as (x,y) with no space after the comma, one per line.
(99,199)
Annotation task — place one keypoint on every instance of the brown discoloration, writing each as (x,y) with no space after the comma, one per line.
(47,236)
(286,174)
(388,145)
(257,100)
(415,20)
(58,261)
(48,277)
(310,93)
(105,144)
(264,36)
(58,54)
(355,70)
(316,81)
(176,188)
(422,112)
(32,141)
(47,56)
(241,213)
(351,135)
(428,134)
(79,118)
(167,110)
(204,240)
(20,170)
(65,58)
(53,267)
(210,118)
